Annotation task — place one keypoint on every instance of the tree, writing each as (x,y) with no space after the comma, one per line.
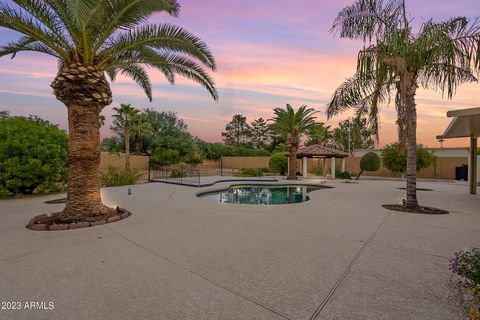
(353,134)
(370,161)
(293,125)
(164,126)
(259,133)
(237,131)
(397,59)
(320,134)
(33,156)
(112,144)
(394,157)
(165,157)
(91,38)
(121,125)
(140,128)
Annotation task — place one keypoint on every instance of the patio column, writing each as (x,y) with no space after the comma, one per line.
(324,171)
(472,168)
(333,168)
(305,167)
(343,164)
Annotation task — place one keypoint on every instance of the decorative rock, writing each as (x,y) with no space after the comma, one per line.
(54,227)
(123,215)
(38,226)
(78,225)
(97,223)
(113,219)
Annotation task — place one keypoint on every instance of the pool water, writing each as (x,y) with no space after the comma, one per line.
(255,194)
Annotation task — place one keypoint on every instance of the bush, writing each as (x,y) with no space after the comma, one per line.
(466,264)
(119,177)
(257,172)
(165,157)
(369,162)
(318,171)
(394,158)
(343,175)
(193,157)
(33,156)
(178,173)
(278,163)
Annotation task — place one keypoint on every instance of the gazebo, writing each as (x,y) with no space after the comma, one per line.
(320,152)
(466,124)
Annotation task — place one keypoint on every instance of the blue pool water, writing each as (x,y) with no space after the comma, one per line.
(261,194)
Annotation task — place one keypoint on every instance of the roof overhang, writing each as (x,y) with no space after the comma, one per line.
(465,123)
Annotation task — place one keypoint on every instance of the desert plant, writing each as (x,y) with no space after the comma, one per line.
(90,40)
(394,158)
(178,173)
(278,163)
(466,265)
(33,156)
(119,177)
(370,161)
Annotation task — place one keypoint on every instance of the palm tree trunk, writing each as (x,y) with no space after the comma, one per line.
(410,106)
(292,163)
(127,145)
(138,145)
(85,92)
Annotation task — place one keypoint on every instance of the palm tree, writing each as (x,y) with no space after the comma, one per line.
(122,123)
(396,59)
(140,128)
(292,125)
(90,39)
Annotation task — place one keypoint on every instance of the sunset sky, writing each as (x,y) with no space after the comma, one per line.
(269,53)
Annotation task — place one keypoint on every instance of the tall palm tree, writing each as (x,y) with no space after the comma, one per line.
(91,39)
(396,59)
(122,123)
(140,128)
(292,125)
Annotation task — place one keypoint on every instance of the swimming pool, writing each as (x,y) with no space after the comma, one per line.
(262,194)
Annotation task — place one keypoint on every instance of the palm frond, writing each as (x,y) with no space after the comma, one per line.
(163,37)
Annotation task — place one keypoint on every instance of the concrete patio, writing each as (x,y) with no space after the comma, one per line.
(338,256)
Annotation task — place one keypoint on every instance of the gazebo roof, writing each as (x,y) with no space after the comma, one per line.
(320,151)
(465,123)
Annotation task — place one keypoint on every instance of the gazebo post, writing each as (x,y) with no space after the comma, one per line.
(324,167)
(472,177)
(305,167)
(343,164)
(333,168)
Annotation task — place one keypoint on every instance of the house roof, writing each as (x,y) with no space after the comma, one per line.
(320,151)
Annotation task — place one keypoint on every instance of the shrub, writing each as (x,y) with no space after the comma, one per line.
(369,162)
(466,264)
(193,157)
(394,158)
(33,156)
(318,171)
(256,172)
(119,177)
(178,173)
(343,175)
(165,157)
(278,163)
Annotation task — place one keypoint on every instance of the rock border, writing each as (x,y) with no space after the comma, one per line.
(420,210)
(44,222)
